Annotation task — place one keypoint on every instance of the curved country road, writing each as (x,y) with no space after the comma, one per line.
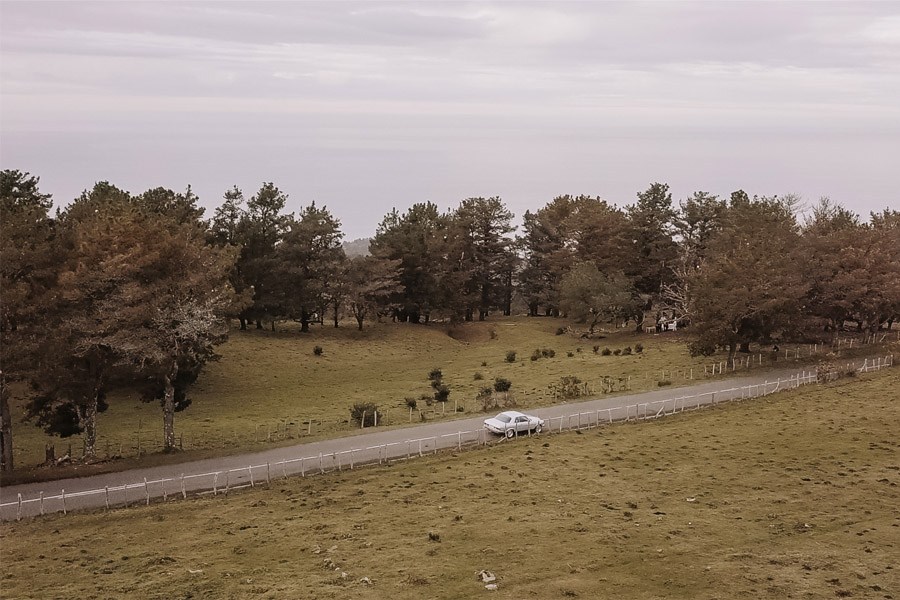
(215,475)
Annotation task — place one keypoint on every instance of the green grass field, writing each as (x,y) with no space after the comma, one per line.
(790,496)
(269,386)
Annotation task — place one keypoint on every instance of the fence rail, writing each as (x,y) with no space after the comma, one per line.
(221,482)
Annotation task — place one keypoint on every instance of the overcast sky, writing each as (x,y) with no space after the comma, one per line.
(367,106)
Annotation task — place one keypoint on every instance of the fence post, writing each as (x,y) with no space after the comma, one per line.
(107,497)
(215,483)
(147,491)
(351,459)
(64,501)
(268,474)
(19,509)
(302,467)
(227,481)
(420,448)
(321,467)
(41,496)
(250,471)
(459,440)
(183,491)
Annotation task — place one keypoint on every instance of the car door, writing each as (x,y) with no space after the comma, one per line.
(522,423)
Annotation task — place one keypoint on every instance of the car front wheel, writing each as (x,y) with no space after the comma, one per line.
(539,428)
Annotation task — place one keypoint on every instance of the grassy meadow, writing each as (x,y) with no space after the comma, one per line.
(270,388)
(790,496)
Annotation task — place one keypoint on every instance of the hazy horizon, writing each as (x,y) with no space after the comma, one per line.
(367,106)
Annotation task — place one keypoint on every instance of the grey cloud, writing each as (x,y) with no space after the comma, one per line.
(398,102)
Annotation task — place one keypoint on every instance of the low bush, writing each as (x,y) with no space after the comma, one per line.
(569,386)
(364,414)
(617,351)
(638,348)
(441,393)
(548,352)
(536,355)
(478,376)
(606,352)
(560,330)
(570,354)
(501,384)
(511,356)
(412,403)
(663,383)
(596,349)
(318,350)
(626,351)
(435,375)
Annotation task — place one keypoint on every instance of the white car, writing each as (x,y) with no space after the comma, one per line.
(511,423)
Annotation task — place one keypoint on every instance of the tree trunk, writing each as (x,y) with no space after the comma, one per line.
(6,456)
(359,321)
(259,324)
(169,414)
(243,323)
(89,421)
(273,325)
(745,347)
(335,315)
(304,321)
(732,347)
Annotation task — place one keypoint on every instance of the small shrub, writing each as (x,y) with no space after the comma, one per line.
(638,348)
(663,383)
(617,351)
(435,375)
(484,363)
(596,349)
(511,356)
(441,393)
(536,355)
(478,376)
(502,384)
(606,352)
(412,403)
(569,387)
(570,354)
(548,352)
(626,351)
(363,413)
(493,334)
(427,399)
(434,537)
(318,350)
(560,330)
(578,349)
(486,399)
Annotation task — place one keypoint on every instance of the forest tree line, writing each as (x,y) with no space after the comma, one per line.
(118,287)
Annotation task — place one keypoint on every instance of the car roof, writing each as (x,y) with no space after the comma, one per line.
(513,413)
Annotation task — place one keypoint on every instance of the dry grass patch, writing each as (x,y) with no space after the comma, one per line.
(791,496)
(269,386)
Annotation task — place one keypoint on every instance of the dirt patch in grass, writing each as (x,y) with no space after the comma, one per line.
(790,496)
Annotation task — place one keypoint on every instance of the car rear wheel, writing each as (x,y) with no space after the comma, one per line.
(510,433)
(539,428)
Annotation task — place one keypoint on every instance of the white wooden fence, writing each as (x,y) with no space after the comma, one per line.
(222,482)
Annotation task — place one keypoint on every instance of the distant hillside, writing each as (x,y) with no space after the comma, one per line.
(358,247)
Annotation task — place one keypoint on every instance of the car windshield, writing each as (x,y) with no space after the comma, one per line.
(504,418)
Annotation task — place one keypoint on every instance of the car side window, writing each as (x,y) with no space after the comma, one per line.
(520,419)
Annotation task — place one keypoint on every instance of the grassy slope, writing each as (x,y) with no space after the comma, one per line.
(794,496)
(267,379)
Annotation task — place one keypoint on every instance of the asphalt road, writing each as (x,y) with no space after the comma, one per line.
(218,475)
